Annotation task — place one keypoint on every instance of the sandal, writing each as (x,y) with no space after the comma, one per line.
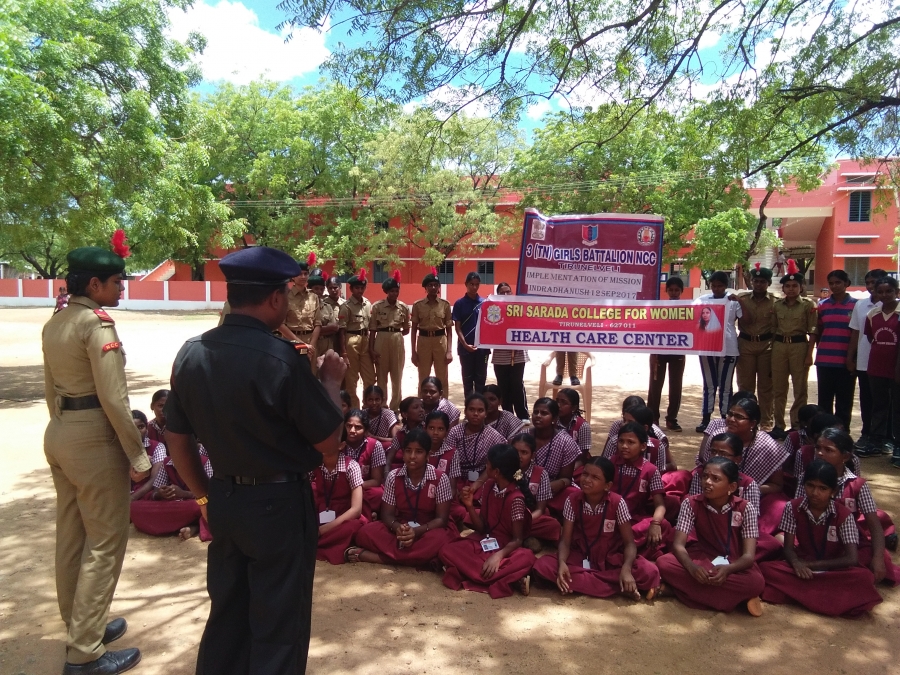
(352,552)
(525,585)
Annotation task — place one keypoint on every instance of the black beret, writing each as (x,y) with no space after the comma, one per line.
(259,266)
(94,259)
(796,276)
(429,278)
(763,272)
(316,280)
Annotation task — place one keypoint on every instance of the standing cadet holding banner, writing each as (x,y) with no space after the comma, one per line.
(388,325)
(92,446)
(264,419)
(431,331)
(754,365)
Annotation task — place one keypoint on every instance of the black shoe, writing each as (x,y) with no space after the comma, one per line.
(114,630)
(888,448)
(672,425)
(702,426)
(110,663)
(778,433)
(557,380)
(890,542)
(862,442)
(575,381)
(869,451)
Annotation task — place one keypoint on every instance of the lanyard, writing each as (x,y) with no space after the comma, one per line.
(820,552)
(468,464)
(487,502)
(726,545)
(590,544)
(326,493)
(418,491)
(630,485)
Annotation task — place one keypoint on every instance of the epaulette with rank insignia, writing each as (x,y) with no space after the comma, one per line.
(301,347)
(104,317)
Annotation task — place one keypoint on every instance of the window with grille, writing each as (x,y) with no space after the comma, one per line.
(379,272)
(858,240)
(856,269)
(486,271)
(445,272)
(860,206)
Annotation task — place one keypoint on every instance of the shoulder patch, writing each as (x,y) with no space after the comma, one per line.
(301,347)
(111,345)
(103,316)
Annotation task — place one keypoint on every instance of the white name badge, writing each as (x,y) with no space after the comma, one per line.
(586,564)
(326,517)
(473,476)
(489,544)
(413,523)
(721,560)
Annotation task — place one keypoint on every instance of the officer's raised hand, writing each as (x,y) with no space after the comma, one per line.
(331,367)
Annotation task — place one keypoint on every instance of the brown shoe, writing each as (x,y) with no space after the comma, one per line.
(672,425)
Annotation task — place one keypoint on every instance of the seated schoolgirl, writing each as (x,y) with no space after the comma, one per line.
(807,452)
(611,446)
(571,420)
(654,453)
(173,507)
(556,451)
(638,482)
(413,524)
(492,560)
(338,493)
(437,426)
(472,439)
(412,416)
(432,391)
(535,488)
(156,429)
(346,402)
(597,555)
(793,441)
(820,568)
(369,454)
(717,569)
(381,420)
(718,426)
(144,488)
(503,421)
(835,446)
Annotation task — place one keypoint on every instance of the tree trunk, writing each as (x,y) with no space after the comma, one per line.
(198,271)
(760,224)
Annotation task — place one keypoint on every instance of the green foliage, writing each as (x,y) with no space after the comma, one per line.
(721,241)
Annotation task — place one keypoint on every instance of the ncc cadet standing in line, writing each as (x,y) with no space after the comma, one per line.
(754,364)
(264,419)
(329,329)
(792,349)
(353,318)
(92,447)
(388,325)
(334,300)
(304,317)
(432,328)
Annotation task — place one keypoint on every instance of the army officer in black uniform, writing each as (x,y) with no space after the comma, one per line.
(251,398)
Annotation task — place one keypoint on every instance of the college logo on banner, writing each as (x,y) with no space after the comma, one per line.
(646,236)
(494,314)
(590,234)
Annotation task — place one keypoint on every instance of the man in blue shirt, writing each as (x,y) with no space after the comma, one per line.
(472,361)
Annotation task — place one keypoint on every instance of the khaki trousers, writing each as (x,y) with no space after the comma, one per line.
(90,473)
(788,360)
(432,351)
(360,365)
(391,358)
(754,374)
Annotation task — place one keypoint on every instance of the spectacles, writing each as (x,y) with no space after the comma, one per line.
(739,418)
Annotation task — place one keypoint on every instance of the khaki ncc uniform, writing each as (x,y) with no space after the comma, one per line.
(329,316)
(90,443)
(304,313)
(432,319)
(754,364)
(391,324)
(793,326)
(354,318)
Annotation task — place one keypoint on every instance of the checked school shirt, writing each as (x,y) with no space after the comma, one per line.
(848,533)
(442,495)
(749,524)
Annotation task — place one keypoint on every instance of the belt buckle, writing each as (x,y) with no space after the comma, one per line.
(754,338)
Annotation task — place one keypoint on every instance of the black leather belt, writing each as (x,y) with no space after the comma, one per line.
(791,339)
(755,338)
(356,332)
(88,402)
(283,477)
(387,330)
(432,333)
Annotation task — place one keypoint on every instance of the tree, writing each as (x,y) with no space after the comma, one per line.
(839,62)
(436,181)
(89,93)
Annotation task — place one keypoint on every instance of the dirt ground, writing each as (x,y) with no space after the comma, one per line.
(386,620)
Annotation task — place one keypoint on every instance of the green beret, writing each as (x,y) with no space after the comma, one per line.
(763,272)
(94,259)
(315,281)
(429,278)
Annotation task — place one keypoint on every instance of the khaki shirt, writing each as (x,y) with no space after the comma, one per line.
(432,315)
(83,356)
(354,315)
(329,312)
(796,320)
(758,315)
(386,315)
(304,310)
